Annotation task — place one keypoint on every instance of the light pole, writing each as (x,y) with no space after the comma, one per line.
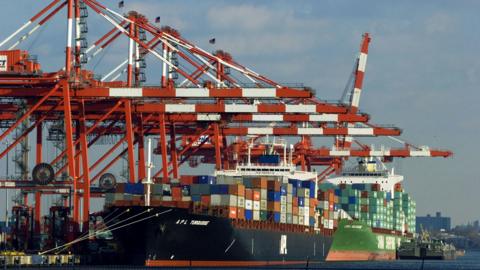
(6,203)
(6,190)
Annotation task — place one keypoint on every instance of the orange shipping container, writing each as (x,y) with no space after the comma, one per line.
(325,214)
(238,190)
(256,195)
(311,211)
(248,194)
(295,201)
(259,183)
(313,203)
(273,206)
(295,210)
(240,213)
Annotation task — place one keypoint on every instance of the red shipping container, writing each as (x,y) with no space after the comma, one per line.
(313,203)
(205,199)
(295,201)
(176,193)
(325,214)
(186,179)
(232,212)
(364,194)
(273,185)
(256,195)
(295,210)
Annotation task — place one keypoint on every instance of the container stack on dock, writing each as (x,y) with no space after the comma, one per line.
(255,199)
(377,208)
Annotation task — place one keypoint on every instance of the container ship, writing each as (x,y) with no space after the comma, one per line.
(369,210)
(263,212)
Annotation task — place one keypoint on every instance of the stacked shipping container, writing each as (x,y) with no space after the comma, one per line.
(256,199)
(367,203)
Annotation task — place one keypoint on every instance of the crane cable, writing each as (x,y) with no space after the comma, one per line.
(110,229)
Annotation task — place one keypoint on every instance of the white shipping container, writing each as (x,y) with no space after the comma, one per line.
(256,205)
(167,198)
(306,193)
(289,208)
(301,211)
(186,198)
(283,218)
(249,204)
(330,224)
(263,205)
(263,194)
(283,208)
(289,198)
(295,219)
(301,220)
(256,215)
(241,202)
(215,200)
(289,189)
(283,199)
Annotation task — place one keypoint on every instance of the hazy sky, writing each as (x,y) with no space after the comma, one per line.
(422,71)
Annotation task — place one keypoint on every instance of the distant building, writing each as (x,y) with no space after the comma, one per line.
(434,224)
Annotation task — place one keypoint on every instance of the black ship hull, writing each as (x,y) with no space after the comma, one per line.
(177,237)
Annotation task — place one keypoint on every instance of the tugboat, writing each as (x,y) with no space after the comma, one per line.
(426,248)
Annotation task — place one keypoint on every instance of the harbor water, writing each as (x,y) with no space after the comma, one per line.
(471,261)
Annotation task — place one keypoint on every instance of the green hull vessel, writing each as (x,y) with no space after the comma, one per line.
(355,241)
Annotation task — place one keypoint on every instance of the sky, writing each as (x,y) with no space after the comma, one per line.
(422,73)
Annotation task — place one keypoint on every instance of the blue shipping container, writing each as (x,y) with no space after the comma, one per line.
(219,189)
(338,192)
(270,159)
(295,183)
(196,198)
(358,186)
(352,200)
(273,196)
(312,221)
(248,214)
(274,215)
(134,188)
(308,184)
(301,201)
(206,179)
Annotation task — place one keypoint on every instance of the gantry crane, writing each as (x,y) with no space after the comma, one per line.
(204,106)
